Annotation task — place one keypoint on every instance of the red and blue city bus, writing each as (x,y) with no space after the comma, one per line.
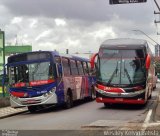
(124,72)
(43,78)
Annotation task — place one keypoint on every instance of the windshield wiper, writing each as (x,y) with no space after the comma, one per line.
(128,76)
(115,72)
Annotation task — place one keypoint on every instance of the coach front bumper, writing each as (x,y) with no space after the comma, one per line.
(137,97)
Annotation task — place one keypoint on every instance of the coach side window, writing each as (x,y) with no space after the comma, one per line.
(66,66)
(80,68)
(74,69)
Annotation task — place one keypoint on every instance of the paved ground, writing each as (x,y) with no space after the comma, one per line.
(81,119)
(8,111)
(80,116)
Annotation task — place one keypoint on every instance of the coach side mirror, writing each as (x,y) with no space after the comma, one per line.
(148,61)
(92,60)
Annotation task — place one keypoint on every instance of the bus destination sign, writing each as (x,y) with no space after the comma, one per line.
(125,1)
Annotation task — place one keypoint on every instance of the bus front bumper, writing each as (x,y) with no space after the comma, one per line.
(120,100)
(137,97)
(44,99)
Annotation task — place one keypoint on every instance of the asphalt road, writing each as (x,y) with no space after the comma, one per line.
(81,116)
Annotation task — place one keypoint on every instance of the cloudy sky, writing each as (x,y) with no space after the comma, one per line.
(79,25)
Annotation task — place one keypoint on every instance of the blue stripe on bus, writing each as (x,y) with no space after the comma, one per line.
(35,90)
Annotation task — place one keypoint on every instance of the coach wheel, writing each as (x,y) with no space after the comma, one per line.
(92,93)
(149,96)
(154,87)
(32,109)
(106,105)
(69,101)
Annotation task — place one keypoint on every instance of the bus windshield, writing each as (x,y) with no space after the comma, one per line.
(30,73)
(121,67)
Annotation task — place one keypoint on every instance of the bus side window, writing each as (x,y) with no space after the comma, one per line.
(66,66)
(89,68)
(74,69)
(80,68)
(58,66)
(85,68)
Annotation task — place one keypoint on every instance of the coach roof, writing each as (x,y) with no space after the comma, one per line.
(124,43)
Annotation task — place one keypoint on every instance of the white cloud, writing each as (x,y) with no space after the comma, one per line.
(33,23)
(103,32)
(60,22)
(42,35)
(16,20)
(80,28)
(72,43)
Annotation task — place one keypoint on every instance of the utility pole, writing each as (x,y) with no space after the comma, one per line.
(2,62)
(157,12)
(146,35)
(156,21)
(157,5)
(67,51)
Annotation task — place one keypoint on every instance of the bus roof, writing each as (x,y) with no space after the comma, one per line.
(54,53)
(73,57)
(124,43)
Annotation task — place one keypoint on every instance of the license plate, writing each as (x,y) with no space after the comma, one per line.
(31,101)
(119,99)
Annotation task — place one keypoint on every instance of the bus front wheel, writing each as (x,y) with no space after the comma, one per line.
(69,101)
(32,109)
(92,93)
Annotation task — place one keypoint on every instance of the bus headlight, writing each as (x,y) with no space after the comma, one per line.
(50,92)
(53,90)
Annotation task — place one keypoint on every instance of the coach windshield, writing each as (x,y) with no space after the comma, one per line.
(121,67)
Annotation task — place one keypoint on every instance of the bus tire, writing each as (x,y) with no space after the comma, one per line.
(107,105)
(154,87)
(69,101)
(92,93)
(150,96)
(32,109)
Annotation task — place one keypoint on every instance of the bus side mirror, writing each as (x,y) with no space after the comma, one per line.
(92,60)
(148,61)
(59,69)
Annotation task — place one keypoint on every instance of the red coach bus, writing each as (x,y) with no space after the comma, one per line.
(124,72)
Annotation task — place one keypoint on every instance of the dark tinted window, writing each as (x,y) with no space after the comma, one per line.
(29,56)
(80,68)
(74,69)
(66,66)
(85,66)
(107,53)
